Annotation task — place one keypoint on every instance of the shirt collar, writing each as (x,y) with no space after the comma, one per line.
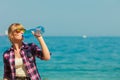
(24,46)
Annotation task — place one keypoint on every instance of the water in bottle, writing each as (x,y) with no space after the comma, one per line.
(28,33)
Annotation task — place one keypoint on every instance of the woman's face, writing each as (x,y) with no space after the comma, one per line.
(17,34)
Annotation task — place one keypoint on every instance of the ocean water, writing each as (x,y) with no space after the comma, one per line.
(76,58)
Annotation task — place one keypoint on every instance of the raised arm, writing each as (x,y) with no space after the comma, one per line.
(45,50)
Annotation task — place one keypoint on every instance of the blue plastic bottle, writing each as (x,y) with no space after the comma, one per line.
(28,33)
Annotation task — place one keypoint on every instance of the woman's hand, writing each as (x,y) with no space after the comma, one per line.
(36,33)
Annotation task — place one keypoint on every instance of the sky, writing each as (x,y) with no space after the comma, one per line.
(63,17)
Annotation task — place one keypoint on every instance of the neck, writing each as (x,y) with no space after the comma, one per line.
(17,45)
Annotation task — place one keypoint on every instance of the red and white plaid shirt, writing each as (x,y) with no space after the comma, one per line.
(28,53)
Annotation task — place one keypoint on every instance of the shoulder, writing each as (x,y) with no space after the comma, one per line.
(32,45)
(6,54)
(27,45)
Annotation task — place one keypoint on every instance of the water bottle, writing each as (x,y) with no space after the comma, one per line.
(28,32)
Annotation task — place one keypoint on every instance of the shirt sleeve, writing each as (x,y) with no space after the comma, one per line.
(36,51)
(7,70)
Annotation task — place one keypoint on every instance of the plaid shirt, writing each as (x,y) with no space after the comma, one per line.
(28,53)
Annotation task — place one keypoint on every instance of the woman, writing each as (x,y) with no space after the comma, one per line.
(19,60)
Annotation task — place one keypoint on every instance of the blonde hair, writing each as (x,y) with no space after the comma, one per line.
(13,27)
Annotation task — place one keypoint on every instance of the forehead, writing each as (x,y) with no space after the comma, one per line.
(16,27)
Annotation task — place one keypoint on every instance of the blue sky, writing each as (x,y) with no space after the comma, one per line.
(63,17)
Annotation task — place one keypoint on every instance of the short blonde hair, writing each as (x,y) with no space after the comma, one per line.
(13,27)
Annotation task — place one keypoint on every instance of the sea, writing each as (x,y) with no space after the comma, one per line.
(75,57)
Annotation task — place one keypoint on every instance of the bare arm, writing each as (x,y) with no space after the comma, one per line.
(45,50)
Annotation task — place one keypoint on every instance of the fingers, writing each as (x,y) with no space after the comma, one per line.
(37,33)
